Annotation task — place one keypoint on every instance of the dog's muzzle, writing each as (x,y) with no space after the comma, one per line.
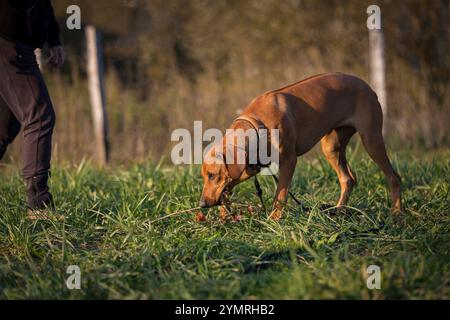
(224,194)
(202,203)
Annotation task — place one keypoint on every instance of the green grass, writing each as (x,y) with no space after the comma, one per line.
(108,233)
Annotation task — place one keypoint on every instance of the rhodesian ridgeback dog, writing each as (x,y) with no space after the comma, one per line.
(329,108)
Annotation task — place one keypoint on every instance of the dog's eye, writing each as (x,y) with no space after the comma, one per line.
(210,176)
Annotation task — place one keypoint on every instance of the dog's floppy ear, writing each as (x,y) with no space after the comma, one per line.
(235,159)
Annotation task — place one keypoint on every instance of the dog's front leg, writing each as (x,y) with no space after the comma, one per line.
(287,168)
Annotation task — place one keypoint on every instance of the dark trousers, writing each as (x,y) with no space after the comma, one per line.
(25,102)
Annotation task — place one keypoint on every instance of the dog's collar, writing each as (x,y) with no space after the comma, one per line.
(257,125)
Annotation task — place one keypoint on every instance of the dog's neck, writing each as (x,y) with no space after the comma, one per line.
(247,122)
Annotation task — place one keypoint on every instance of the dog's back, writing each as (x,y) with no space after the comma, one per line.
(317,105)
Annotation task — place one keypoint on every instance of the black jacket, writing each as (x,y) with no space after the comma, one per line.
(29,21)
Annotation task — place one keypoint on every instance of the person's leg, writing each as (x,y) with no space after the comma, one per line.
(26,95)
(9,127)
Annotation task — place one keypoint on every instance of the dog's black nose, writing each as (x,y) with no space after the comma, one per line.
(202,203)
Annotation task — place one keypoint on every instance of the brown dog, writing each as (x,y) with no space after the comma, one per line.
(330,108)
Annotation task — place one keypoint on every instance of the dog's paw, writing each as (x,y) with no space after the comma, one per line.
(397,210)
(276,214)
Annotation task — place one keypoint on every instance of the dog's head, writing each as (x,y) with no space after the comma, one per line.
(224,166)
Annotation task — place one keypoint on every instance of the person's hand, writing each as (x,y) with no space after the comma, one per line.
(56,57)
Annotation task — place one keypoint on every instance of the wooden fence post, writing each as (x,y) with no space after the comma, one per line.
(96,92)
(378,69)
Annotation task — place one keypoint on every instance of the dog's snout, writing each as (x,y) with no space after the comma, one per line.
(202,203)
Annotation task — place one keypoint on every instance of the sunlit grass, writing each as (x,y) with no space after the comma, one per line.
(109,234)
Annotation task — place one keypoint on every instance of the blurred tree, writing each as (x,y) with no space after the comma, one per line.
(169,62)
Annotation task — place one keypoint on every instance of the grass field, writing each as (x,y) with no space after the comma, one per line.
(108,232)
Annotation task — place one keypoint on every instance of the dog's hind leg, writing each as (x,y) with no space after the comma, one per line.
(370,128)
(334,145)
(374,144)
